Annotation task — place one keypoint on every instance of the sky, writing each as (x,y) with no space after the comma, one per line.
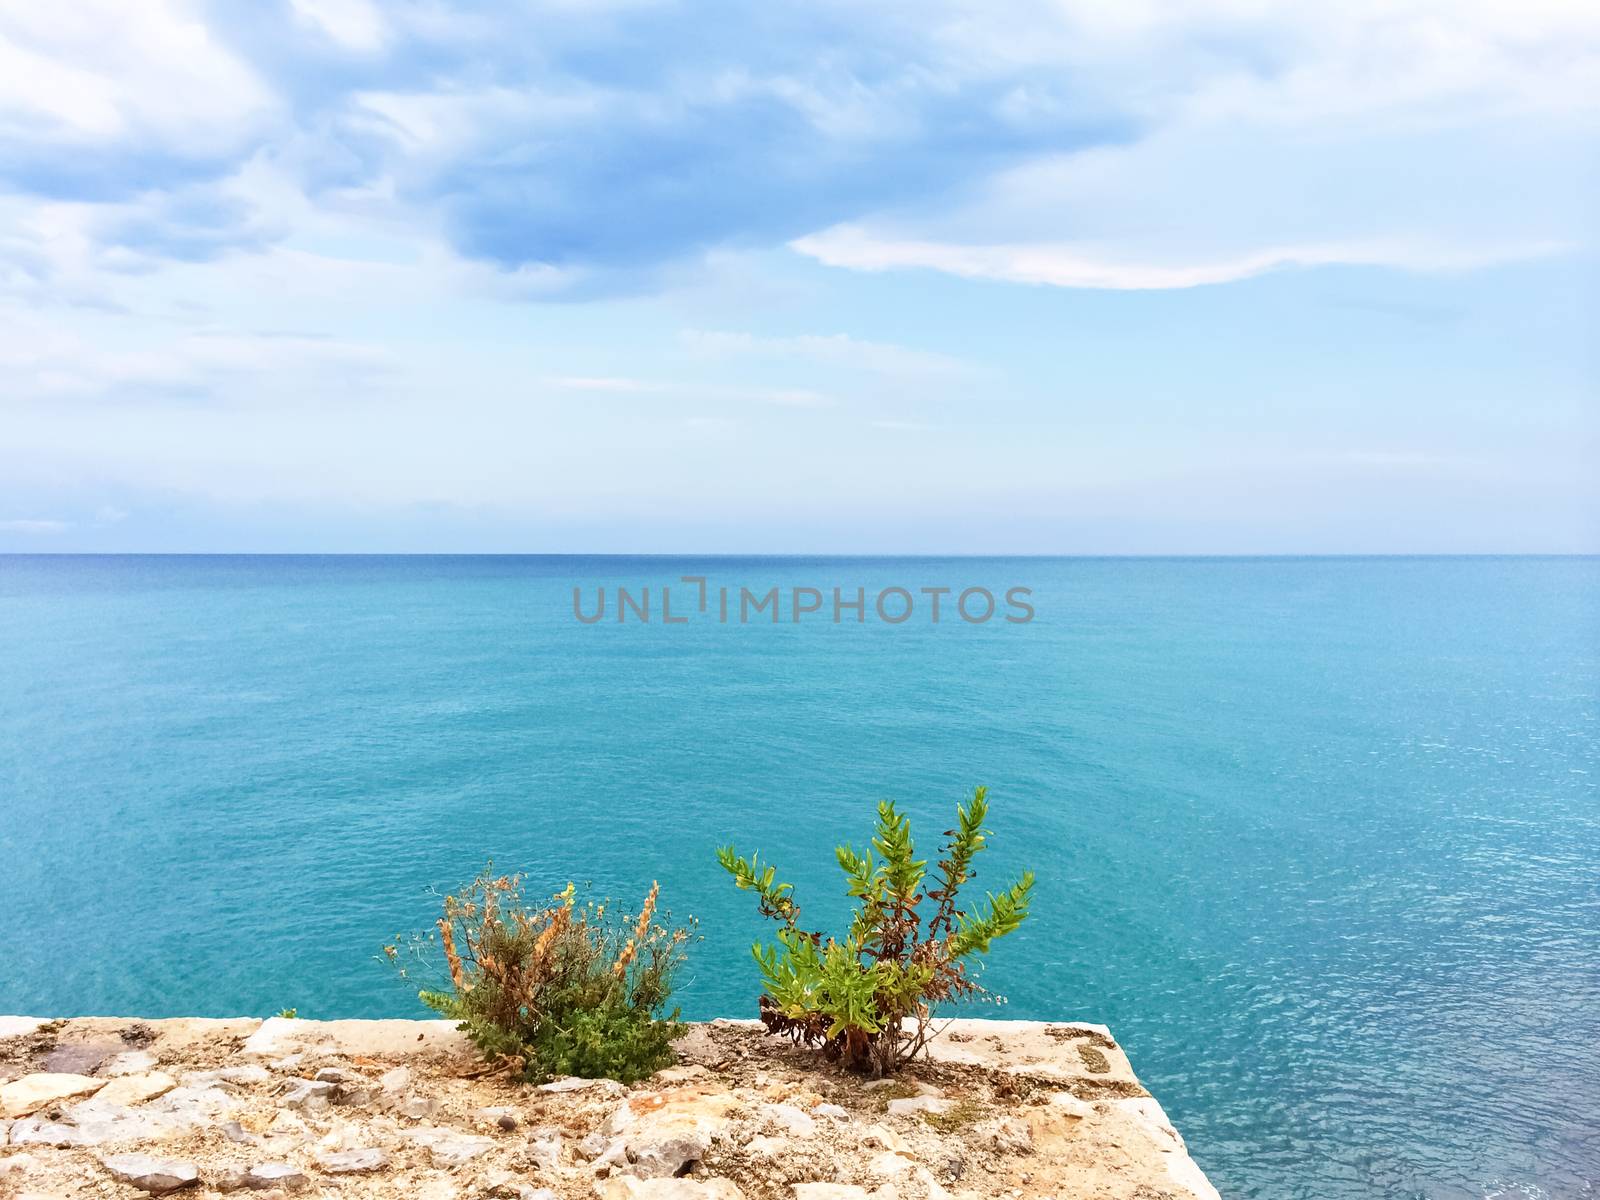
(1068,277)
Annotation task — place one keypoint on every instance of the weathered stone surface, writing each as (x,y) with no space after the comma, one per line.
(881,1137)
(544,1147)
(227,1179)
(264,1176)
(287,1125)
(158,1176)
(98,1124)
(30,1131)
(309,1094)
(743,1110)
(353,1162)
(135,1089)
(11,1027)
(794,1121)
(278,1036)
(572,1083)
(626,1187)
(129,1062)
(228,1077)
(25,1096)
(503,1185)
(419,1108)
(890,1164)
(1008,1136)
(666,1131)
(395,1082)
(448,1147)
(829,1191)
(80,1058)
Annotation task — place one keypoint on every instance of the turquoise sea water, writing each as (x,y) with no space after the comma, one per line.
(1318,838)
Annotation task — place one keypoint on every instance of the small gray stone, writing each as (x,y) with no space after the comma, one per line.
(832,1111)
(263,1176)
(593,1145)
(157,1176)
(309,1094)
(353,1162)
(672,1156)
(236,1132)
(419,1108)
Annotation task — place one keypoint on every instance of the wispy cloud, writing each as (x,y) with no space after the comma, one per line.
(1072,266)
(622,385)
(835,349)
(34,526)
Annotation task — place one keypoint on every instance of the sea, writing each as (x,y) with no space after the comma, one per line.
(1318,838)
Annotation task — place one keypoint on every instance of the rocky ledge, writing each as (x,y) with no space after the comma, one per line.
(101,1107)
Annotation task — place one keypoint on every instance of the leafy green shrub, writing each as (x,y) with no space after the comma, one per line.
(866,999)
(562,989)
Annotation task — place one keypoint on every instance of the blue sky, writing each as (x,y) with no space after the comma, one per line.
(1214,277)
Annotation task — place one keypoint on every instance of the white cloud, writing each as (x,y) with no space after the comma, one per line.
(46,361)
(94,70)
(622,385)
(354,24)
(35,526)
(1086,266)
(835,349)
(1421,135)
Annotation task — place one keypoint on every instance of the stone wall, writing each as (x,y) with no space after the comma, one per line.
(103,1107)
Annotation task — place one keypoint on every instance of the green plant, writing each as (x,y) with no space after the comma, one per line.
(558,989)
(289,1013)
(866,999)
